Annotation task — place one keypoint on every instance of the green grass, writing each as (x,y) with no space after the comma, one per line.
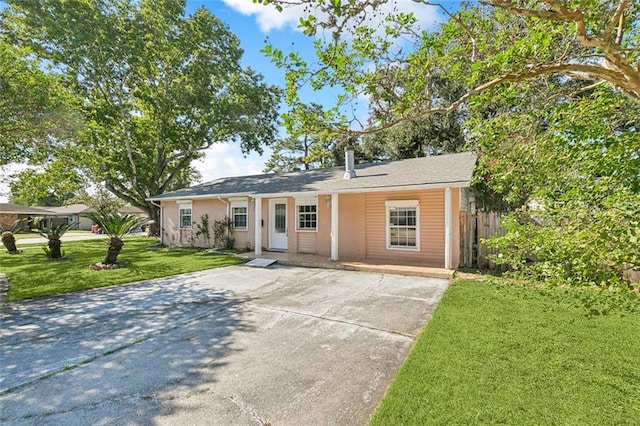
(32,275)
(27,234)
(497,354)
(33,234)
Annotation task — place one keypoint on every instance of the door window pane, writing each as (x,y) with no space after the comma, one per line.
(281,218)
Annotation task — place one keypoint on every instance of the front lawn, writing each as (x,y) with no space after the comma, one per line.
(33,234)
(498,354)
(32,275)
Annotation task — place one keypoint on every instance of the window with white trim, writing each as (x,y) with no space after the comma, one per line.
(307,210)
(185,214)
(403,224)
(239,214)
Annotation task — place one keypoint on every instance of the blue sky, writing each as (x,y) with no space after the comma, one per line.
(253,24)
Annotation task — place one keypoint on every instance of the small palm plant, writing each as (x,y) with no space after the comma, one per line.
(8,239)
(54,251)
(116,226)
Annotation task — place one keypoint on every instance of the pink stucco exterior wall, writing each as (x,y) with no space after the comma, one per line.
(323,237)
(173,235)
(352,214)
(361,230)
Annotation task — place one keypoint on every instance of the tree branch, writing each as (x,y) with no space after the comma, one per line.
(617,21)
(603,73)
(629,77)
(459,21)
(122,194)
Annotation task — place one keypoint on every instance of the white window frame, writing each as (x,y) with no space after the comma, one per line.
(239,203)
(410,204)
(306,201)
(184,205)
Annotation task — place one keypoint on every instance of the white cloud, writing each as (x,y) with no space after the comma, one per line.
(5,178)
(225,159)
(221,160)
(268,18)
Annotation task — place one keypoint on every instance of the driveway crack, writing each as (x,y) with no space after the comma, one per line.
(337,320)
(248,410)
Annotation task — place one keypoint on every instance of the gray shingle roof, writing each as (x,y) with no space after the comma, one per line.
(10,208)
(71,209)
(442,170)
(79,209)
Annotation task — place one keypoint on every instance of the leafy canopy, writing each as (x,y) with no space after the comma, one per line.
(57,184)
(157,87)
(370,49)
(577,175)
(36,112)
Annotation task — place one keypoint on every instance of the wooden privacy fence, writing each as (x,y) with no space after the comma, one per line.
(474,227)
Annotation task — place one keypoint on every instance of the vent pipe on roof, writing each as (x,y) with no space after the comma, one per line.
(349,163)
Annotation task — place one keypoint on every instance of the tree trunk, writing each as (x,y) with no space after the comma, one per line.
(154,214)
(115,245)
(9,242)
(54,246)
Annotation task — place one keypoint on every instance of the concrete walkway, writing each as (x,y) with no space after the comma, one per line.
(369,265)
(238,345)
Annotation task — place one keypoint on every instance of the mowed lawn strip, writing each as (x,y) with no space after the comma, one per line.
(31,234)
(495,354)
(32,275)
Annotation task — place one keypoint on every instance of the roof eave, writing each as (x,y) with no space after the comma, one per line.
(418,187)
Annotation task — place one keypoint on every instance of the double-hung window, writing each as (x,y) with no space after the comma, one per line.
(185,213)
(239,212)
(403,224)
(307,211)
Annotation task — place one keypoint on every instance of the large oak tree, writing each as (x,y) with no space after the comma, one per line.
(370,49)
(550,100)
(157,87)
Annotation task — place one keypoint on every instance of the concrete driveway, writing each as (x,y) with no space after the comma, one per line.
(237,345)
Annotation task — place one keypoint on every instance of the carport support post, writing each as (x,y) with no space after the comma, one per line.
(334,227)
(448,243)
(258,225)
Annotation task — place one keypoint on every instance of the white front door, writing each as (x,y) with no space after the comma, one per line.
(278,226)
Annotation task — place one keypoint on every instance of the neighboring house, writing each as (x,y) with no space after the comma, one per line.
(403,211)
(54,216)
(10,212)
(73,215)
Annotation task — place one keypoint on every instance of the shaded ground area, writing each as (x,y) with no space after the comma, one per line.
(235,345)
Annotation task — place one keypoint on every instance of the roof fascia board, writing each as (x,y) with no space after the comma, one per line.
(196,197)
(441,185)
